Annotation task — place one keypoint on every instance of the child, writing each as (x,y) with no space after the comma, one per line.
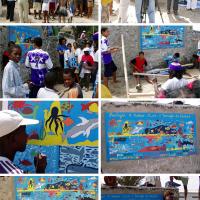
(191,4)
(39,62)
(72,89)
(45,10)
(37,6)
(10,9)
(138,65)
(175,6)
(79,7)
(48,91)
(123,11)
(61,48)
(89,8)
(87,66)
(109,66)
(174,58)
(23,9)
(105,13)
(52,8)
(12,84)
(62,13)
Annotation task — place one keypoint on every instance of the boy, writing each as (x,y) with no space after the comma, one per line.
(37,6)
(48,91)
(175,6)
(151,10)
(87,66)
(72,89)
(109,66)
(10,10)
(39,62)
(13,138)
(12,84)
(138,65)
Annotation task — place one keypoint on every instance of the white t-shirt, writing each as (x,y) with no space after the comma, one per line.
(44,93)
(96,56)
(174,83)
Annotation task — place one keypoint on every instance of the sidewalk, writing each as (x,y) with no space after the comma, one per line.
(184,16)
(76,19)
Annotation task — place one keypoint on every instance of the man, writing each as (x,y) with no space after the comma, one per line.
(39,62)
(150,5)
(175,6)
(23,11)
(13,138)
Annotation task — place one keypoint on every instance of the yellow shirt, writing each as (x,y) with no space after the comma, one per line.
(106,2)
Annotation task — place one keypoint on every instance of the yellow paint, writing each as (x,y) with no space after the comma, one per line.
(106,2)
(93,107)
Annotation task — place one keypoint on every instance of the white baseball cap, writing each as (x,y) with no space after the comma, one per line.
(86,49)
(10,120)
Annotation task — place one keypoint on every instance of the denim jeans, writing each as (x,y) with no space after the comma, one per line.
(150,11)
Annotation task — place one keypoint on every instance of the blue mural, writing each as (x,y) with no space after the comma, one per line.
(162,37)
(149,135)
(78,159)
(56,188)
(132,196)
(22,35)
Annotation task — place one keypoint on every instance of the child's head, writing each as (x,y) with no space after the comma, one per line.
(37,42)
(177,55)
(50,80)
(105,31)
(69,46)
(15,53)
(141,54)
(75,45)
(176,70)
(86,51)
(69,77)
(62,41)
(11,43)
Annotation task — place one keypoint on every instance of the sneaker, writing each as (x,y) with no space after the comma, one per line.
(138,87)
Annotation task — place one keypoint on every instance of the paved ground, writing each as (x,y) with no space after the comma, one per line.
(184,15)
(32,20)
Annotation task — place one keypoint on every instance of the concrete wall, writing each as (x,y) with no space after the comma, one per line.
(7,188)
(155,56)
(137,190)
(187,164)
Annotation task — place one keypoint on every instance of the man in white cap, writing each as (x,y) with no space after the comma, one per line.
(13,138)
(83,35)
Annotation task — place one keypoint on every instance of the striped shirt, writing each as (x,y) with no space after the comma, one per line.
(7,167)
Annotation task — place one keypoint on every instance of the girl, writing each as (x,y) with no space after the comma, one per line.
(12,84)
(191,4)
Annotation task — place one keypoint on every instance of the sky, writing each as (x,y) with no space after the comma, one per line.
(193,184)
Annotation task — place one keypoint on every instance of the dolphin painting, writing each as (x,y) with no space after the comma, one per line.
(84,128)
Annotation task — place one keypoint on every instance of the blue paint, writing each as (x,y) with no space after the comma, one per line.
(131,136)
(132,196)
(161,37)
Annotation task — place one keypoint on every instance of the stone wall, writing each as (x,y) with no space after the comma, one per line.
(137,190)
(7,188)
(155,56)
(187,164)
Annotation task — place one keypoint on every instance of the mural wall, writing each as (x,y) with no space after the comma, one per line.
(135,135)
(67,134)
(162,37)
(56,188)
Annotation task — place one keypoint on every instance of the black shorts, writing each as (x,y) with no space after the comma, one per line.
(109,69)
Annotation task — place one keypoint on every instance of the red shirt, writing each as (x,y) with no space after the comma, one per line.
(88,59)
(139,64)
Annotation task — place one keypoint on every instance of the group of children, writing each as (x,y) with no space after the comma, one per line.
(46,80)
(140,5)
(64,9)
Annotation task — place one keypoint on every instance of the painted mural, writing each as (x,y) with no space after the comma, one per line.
(60,123)
(132,196)
(149,135)
(162,37)
(22,35)
(184,3)
(56,188)
(78,159)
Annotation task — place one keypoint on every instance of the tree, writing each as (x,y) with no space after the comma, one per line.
(129,180)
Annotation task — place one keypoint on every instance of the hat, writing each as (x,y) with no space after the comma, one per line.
(175,66)
(84,31)
(11,120)
(86,49)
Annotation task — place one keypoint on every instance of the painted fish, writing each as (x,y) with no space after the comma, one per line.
(91,106)
(84,128)
(113,122)
(68,121)
(153,148)
(152,137)
(25,162)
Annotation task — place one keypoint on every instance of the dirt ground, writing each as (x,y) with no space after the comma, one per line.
(118,90)
(183,17)
(186,164)
(76,19)
(6,188)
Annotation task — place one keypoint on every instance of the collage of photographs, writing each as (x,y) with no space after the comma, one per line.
(99,99)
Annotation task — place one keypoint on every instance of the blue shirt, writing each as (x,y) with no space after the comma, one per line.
(61,47)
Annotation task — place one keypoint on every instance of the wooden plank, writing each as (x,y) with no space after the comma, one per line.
(137,94)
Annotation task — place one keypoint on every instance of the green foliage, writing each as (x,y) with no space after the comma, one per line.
(129,180)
